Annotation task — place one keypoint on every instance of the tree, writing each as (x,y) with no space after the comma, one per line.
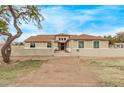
(111,39)
(17,15)
(120,37)
(3,25)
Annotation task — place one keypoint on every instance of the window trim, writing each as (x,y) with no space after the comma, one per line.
(95,46)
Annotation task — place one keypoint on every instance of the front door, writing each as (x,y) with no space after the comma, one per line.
(62,46)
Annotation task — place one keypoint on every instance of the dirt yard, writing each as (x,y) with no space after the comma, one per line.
(60,72)
(64,72)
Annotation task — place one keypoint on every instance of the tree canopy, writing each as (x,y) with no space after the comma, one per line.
(118,38)
(3,26)
(16,15)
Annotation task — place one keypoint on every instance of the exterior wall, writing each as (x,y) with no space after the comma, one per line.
(42,45)
(27,45)
(101,52)
(104,44)
(57,37)
(88,44)
(68,47)
(108,52)
(31,52)
(72,44)
(55,46)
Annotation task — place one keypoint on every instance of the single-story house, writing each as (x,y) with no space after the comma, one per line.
(65,42)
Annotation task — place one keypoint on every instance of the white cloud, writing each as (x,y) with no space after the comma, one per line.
(61,20)
(109,32)
(58,20)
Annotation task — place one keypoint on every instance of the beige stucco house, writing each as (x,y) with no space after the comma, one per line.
(65,42)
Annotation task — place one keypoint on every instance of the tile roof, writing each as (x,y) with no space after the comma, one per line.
(86,37)
(61,34)
(48,38)
(40,38)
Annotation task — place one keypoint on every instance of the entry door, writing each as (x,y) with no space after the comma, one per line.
(62,46)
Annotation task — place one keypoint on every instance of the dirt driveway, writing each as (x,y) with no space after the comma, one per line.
(60,72)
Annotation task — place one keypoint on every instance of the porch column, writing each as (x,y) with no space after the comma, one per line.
(59,46)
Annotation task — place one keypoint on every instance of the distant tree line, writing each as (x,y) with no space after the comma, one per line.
(118,38)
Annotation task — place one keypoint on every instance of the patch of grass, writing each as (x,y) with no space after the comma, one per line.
(109,72)
(9,72)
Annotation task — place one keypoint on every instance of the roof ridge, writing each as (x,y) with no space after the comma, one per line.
(39,38)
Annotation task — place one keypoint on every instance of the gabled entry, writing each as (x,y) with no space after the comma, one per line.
(62,46)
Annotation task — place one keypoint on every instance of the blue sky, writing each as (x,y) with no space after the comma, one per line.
(74,19)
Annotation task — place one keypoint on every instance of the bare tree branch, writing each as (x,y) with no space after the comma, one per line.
(3,9)
(23,13)
(19,32)
(16,14)
(5,33)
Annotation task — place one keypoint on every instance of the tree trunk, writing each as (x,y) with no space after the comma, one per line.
(6,50)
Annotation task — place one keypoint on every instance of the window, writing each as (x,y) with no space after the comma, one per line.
(49,45)
(62,39)
(80,44)
(32,45)
(121,46)
(96,44)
